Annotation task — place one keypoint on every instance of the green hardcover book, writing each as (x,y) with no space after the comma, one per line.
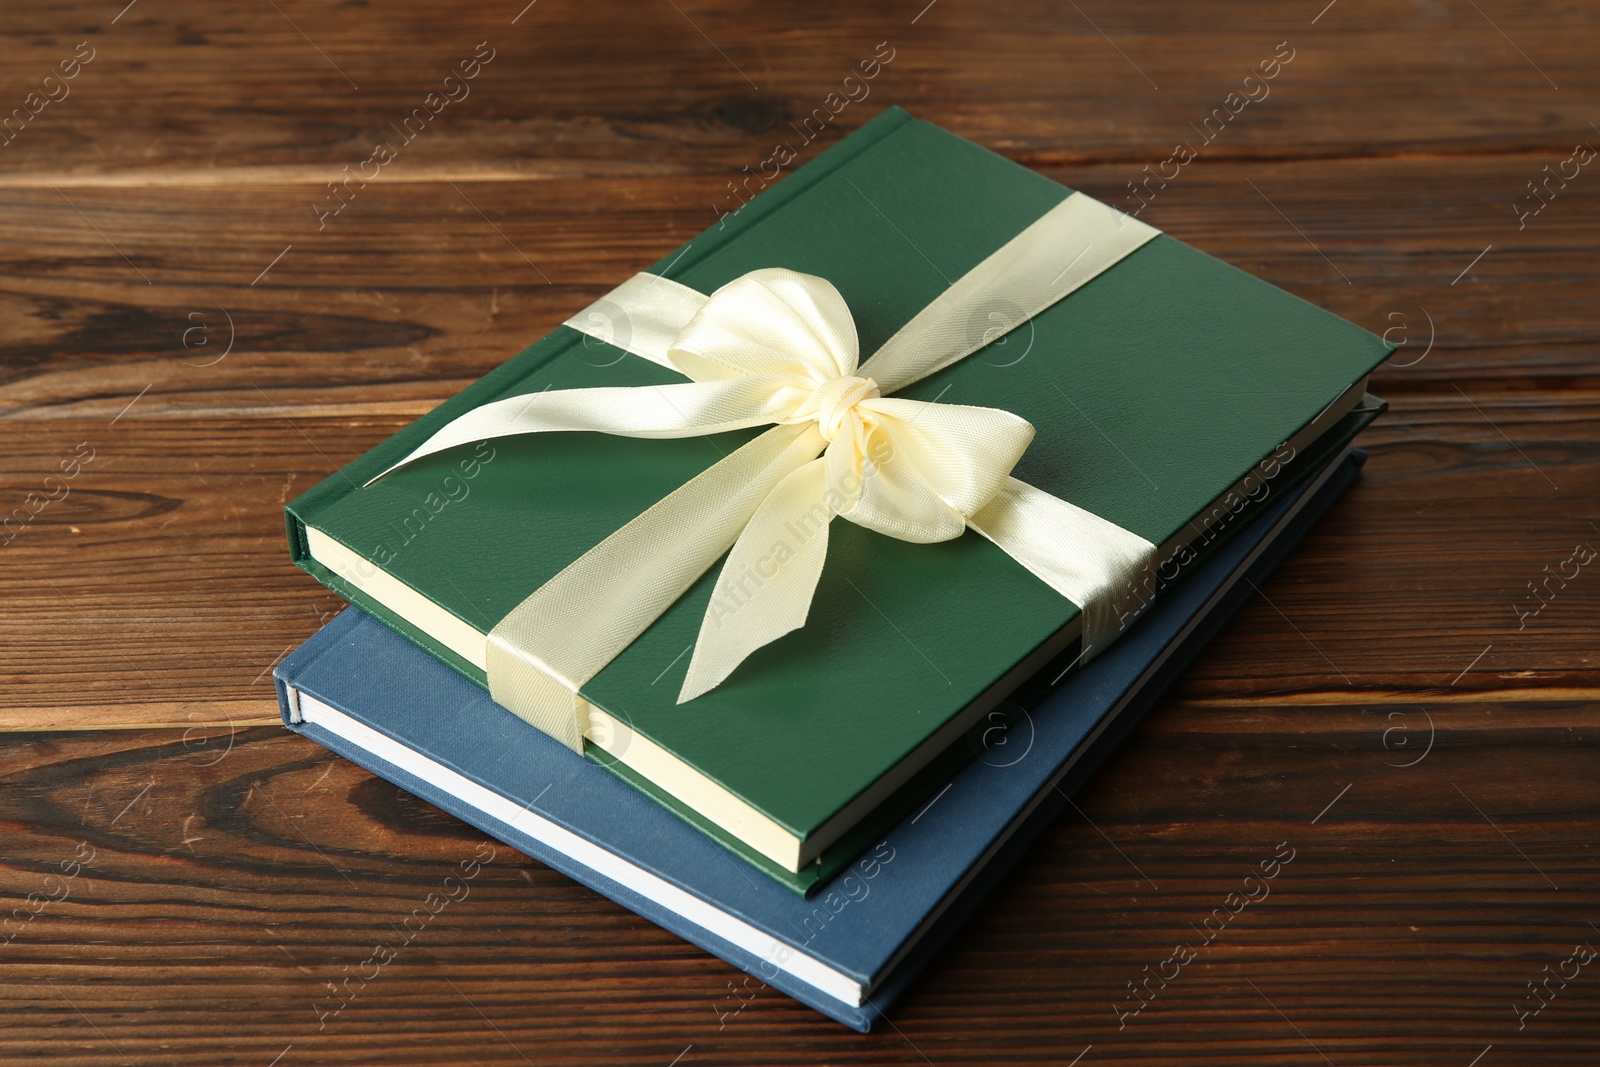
(1167,393)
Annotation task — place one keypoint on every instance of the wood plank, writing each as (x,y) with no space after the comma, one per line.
(303,89)
(1446,574)
(227,886)
(411,293)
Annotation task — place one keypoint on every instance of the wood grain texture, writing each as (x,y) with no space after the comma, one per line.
(229,876)
(419,287)
(180,880)
(699,87)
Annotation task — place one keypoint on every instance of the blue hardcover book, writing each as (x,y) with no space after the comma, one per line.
(850,949)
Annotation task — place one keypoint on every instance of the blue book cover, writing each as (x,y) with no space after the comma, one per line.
(851,948)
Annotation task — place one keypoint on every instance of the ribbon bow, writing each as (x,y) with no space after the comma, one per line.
(777,347)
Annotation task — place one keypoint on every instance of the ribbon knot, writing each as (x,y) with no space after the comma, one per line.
(837,398)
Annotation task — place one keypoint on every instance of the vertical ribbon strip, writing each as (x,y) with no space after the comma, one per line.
(778,347)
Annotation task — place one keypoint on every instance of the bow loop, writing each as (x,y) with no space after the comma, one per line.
(915,470)
(770,321)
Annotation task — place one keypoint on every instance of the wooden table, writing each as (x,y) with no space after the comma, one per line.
(191,337)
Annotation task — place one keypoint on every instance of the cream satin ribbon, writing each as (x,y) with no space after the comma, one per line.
(779,347)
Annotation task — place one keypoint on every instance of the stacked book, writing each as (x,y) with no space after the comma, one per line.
(825,810)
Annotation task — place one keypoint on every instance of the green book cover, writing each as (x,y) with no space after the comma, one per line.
(1155,390)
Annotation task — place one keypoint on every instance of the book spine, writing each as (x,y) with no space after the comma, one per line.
(286,675)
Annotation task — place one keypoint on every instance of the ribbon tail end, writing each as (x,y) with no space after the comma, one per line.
(780,550)
(706,672)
